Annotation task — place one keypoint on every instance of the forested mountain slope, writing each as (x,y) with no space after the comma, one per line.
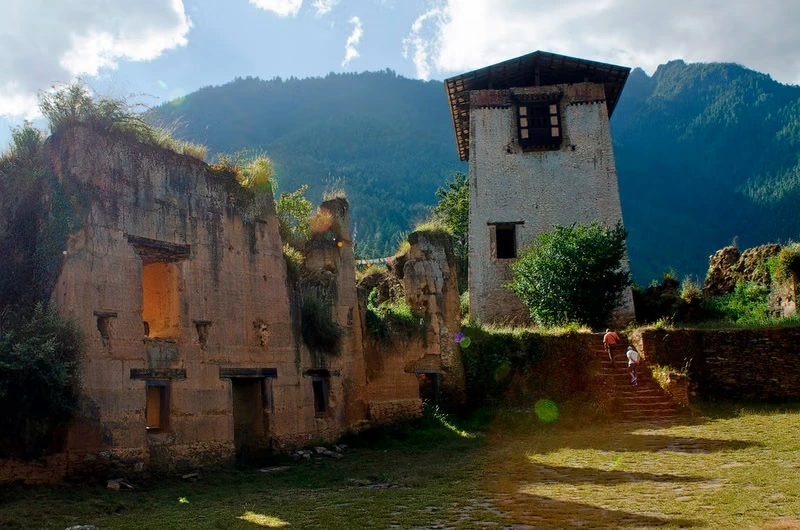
(705,152)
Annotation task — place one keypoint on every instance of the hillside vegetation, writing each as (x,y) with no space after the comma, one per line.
(706,153)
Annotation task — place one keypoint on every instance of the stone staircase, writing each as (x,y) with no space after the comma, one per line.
(647,400)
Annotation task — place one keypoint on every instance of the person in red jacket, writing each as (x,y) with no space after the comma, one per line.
(609,339)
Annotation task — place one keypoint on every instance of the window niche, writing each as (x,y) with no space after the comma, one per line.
(320,386)
(161,264)
(160,299)
(505,240)
(539,125)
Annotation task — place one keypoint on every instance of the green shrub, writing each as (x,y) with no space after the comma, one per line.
(393,316)
(295,262)
(463,304)
(747,304)
(73,104)
(320,331)
(435,225)
(572,274)
(785,264)
(39,354)
(294,214)
(36,217)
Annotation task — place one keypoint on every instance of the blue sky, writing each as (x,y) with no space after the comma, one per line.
(163,49)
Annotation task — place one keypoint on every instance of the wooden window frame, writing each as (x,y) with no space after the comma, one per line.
(539,125)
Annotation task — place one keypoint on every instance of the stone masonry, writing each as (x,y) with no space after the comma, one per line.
(536,190)
(192,353)
(535,130)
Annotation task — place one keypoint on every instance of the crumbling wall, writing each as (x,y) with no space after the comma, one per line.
(176,278)
(425,276)
(145,205)
(727,267)
(330,254)
(783,298)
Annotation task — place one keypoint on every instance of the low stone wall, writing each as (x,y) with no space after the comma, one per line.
(130,464)
(762,365)
(59,466)
(49,470)
(517,369)
(386,412)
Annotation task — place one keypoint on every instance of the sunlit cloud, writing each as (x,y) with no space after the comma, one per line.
(44,43)
(282,8)
(423,40)
(350,51)
(459,35)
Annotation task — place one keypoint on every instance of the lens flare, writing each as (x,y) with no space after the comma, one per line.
(546,410)
(465,342)
(502,371)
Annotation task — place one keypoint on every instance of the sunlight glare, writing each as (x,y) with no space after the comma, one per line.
(261,519)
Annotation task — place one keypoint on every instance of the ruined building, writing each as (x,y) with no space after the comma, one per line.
(535,130)
(193,347)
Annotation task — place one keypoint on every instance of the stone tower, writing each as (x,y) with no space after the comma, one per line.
(535,130)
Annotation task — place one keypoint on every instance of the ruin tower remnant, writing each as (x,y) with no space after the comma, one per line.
(536,133)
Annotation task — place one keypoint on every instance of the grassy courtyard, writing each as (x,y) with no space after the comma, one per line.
(726,467)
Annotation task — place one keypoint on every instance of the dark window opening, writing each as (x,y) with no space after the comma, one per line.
(506,241)
(539,125)
(320,387)
(157,409)
(429,387)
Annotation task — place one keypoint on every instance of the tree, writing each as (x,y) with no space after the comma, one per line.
(573,274)
(453,210)
(294,213)
(453,206)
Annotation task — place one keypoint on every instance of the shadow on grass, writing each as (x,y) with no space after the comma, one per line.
(713,410)
(544,474)
(546,512)
(625,436)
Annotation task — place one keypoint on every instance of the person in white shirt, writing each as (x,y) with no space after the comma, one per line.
(633,365)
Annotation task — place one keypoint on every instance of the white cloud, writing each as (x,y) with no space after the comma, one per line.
(423,40)
(282,8)
(46,42)
(324,7)
(469,34)
(350,51)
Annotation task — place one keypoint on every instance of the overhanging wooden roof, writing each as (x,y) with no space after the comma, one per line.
(535,69)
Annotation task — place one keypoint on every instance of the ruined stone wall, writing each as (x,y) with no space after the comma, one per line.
(431,285)
(330,252)
(538,190)
(783,298)
(177,280)
(147,204)
(757,365)
(396,369)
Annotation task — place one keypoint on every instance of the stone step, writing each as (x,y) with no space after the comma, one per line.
(646,399)
(643,402)
(668,407)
